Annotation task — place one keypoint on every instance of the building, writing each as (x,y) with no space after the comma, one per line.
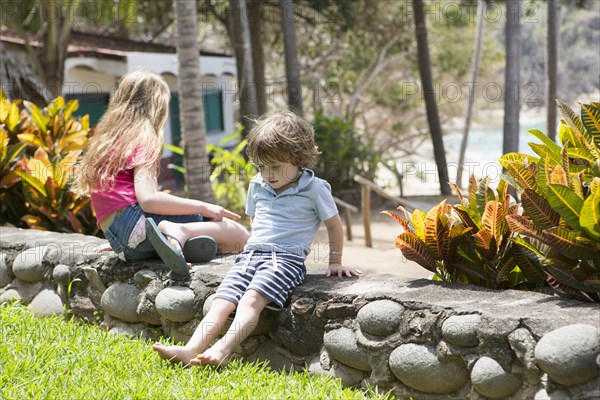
(95,63)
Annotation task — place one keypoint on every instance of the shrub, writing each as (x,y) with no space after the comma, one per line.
(344,153)
(39,150)
(231,172)
(469,242)
(554,239)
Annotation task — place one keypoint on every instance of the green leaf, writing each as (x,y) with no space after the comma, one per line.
(466,218)
(528,259)
(573,121)
(582,153)
(32,182)
(481,196)
(414,249)
(518,158)
(39,119)
(418,221)
(72,105)
(177,168)
(553,147)
(590,115)
(175,149)
(565,276)
(590,216)
(565,134)
(566,202)
(565,241)
(539,210)
(523,176)
(544,152)
(504,268)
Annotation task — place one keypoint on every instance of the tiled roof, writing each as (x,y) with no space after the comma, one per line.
(92,44)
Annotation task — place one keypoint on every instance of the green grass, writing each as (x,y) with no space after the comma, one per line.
(57,359)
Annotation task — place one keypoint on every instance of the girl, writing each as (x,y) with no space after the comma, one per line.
(288,203)
(119,170)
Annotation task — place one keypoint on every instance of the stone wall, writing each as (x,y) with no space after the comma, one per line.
(421,339)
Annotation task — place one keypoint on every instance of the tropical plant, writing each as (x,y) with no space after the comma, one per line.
(11,203)
(553,240)
(231,172)
(49,141)
(469,242)
(560,191)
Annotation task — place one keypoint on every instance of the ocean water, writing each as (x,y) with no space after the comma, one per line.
(483,150)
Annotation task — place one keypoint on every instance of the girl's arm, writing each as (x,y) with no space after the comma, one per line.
(153,201)
(335,231)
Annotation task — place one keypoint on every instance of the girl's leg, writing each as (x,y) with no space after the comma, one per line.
(229,235)
(251,305)
(203,336)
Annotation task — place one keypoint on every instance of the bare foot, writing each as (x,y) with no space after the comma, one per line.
(211,357)
(175,354)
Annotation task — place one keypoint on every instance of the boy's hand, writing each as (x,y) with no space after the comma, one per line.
(340,270)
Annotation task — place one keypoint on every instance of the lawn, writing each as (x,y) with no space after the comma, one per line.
(57,359)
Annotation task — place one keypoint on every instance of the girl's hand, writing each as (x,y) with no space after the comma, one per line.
(340,270)
(214,212)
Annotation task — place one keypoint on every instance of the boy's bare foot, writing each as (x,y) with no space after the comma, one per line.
(175,354)
(211,357)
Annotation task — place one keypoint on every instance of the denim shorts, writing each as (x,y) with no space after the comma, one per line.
(127,232)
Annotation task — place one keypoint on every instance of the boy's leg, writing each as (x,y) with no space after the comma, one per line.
(229,235)
(203,336)
(251,305)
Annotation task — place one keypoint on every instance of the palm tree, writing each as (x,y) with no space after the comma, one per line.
(433,118)
(512,81)
(197,177)
(292,67)
(474,71)
(242,43)
(255,19)
(551,68)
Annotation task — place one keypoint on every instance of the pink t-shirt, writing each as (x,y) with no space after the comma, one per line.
(106,201)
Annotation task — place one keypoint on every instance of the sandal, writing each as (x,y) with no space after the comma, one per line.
(165,250)
(200,249)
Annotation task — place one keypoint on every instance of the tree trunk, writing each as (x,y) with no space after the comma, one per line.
(429,95)
(196,163)
(551,68)
(255,20)
(52,55)
(474,71)
(512,81)
(292,67)
(243,50)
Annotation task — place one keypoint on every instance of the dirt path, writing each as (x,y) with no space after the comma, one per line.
(383,257)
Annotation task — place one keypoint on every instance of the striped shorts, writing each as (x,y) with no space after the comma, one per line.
(273,275)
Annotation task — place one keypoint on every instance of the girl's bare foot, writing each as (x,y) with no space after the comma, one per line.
(211,357)
(175,354)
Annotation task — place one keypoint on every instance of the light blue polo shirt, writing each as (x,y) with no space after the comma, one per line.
(288,222)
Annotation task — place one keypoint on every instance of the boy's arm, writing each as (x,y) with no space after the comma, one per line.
(335,231)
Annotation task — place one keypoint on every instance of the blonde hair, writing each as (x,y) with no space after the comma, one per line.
(133,123)
(282,137)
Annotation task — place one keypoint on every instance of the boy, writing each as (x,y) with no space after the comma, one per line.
(287,204)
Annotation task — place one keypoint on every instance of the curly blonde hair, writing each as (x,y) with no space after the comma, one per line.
(282,137)
(132,123)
